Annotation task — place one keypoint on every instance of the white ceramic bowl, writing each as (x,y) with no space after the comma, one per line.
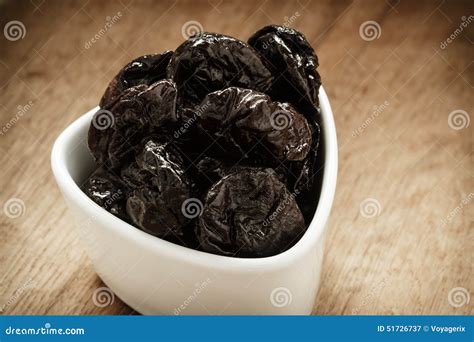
(154,276)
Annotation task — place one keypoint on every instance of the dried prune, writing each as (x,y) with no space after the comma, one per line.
(140,110)
(143,70)
(159,187)
(208,62)
(301,177)
(108,191)
(293,63)
(249,213)
(248,124)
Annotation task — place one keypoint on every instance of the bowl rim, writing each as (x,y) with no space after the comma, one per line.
(62,148)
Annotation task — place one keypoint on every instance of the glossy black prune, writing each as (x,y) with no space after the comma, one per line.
(208,62)
(142,70)
(293,63)
(158,189)
(249,213)
(108,191)
(140,110)
(301,177)
(248,124)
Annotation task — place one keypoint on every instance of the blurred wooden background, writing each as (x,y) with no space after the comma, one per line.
(402,101)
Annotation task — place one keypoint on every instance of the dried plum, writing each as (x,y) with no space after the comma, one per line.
(293,63)
(208,62)
(108,191)
(249,213)
(159,187)
(143,70)
(301,177)
(248,124)
(116,130)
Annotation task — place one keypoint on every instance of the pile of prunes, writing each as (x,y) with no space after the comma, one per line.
(213,146)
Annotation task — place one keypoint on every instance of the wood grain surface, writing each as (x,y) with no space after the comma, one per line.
(400,237)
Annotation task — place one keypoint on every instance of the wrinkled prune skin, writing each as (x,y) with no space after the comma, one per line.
(134,177)
(249,213)
(139,111)
(208,62)
(248,125)
(108,191)
(144,70)
(292,61)
(158,188)
(301,177)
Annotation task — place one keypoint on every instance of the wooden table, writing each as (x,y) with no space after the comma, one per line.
(401,230)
